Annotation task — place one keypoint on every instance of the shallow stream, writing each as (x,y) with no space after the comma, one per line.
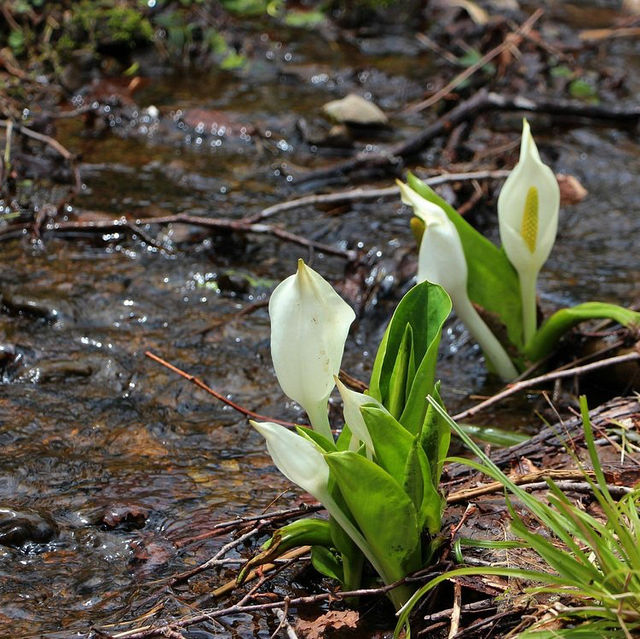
(117,461)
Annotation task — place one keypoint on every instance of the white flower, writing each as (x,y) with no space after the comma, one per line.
(300,461)
(442,261)
(297,458)
(352,402)
(528,218)
(309,327)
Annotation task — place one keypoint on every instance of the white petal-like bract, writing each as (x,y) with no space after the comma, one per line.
(309,327)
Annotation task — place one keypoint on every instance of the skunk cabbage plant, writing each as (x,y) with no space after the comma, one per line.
(501,283)
(379,479)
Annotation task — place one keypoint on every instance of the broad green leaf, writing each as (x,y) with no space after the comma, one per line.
(391,441)
(493,435)
(424,308)
(352,557)
(394,447)
(326,563)
(413,482)
(316,438)
(382,510)
(545,340)
(418,484)
(399,380)
(492,283)
(344,438)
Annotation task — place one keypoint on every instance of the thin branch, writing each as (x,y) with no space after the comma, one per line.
(455,614)
(207,222)
(507,43)
(477,104)
(53,143)
(200,384)
(148,631)
(565,479)
(511,389)
(368,194)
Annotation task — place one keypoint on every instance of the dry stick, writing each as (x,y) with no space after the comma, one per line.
(148,631)
(474,606)
(531,481)
(200,384)
(507,43)
(53,143)
(230,586)
(455,615)
(366,194)
(511,389)
(216,223)
(480,102)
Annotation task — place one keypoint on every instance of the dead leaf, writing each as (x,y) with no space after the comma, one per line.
(571,190)
(356,110)
(525,466)
(328,623)
(631,6)
(476,13)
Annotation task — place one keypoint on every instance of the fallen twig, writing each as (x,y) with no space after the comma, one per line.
(531,481)
(200,384)
(455,614)
(508,43)
(52,142)
(367,194)
(150,631)
(480,102)
(206,222)
(511,389)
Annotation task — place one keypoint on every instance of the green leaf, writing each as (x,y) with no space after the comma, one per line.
(302,532)
(399,379)
(305,19)
(583,90)
(344,438)
(382,510)
(326,563)
(391,441)
(352,557)
(424,308)
(547,336)
(493,435)
(492,282)
(316,438)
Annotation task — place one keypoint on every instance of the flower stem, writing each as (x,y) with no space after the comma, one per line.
(488,342)
(319,418)
(528,281)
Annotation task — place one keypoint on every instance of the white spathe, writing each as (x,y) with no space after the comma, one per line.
(352,403)
(297,458)
(441,260)
(300,461)
(528,208)
(309,327)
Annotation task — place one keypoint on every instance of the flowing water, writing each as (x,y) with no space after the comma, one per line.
(110,463)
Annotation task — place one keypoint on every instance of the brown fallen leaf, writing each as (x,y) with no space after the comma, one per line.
(328,623)
(571,190)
